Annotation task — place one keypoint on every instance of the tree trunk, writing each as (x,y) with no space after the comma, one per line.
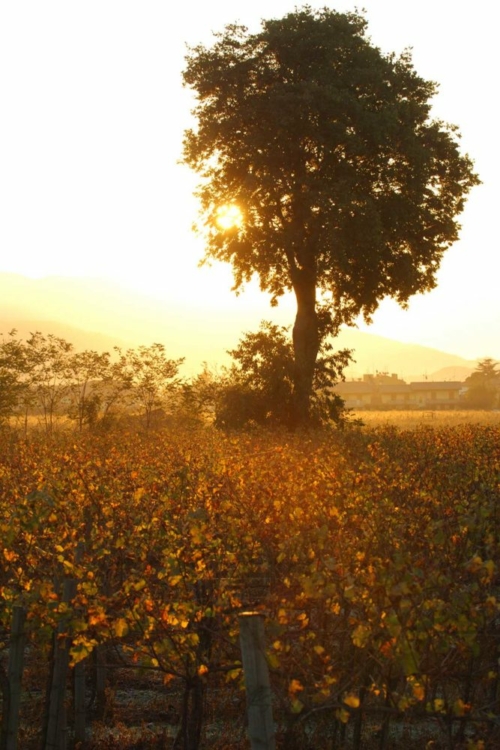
(305,343)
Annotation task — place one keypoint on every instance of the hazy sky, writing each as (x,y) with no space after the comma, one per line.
(92,112)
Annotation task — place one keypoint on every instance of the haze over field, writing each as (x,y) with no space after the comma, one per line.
(91,187)
(100,315)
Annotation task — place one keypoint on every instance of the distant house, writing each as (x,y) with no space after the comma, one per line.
(356,394)
(436,395)
(390,392)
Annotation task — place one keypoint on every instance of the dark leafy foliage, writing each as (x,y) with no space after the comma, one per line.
(258,388)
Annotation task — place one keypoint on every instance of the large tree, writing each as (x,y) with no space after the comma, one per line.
(348,190)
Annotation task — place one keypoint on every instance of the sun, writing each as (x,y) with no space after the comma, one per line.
(228,216)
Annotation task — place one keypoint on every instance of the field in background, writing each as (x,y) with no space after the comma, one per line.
(407,419)
(404,419)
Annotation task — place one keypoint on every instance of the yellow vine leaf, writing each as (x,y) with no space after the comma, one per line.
(297,706)
(352,701)
(342,715)
(361,635)
(120,627)
(295,686)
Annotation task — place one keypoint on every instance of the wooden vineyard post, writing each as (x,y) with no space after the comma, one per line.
(79,680)
(257,685)
(79,698)
(15,673)
(56,725)
(100,680)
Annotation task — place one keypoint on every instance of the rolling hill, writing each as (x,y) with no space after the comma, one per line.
(97,314)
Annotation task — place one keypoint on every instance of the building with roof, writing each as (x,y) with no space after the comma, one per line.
(390,392)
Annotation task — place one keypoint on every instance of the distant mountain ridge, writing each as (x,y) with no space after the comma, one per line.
(96,314)
(80,338)
(412,362)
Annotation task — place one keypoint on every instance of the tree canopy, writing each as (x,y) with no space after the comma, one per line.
(483,385)
(348,189)
(44,377)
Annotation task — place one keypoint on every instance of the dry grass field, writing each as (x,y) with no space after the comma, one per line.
(409,419)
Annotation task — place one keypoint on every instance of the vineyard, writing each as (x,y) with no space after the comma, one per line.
(371,553)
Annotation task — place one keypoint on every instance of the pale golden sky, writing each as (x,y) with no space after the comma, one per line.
(92,116)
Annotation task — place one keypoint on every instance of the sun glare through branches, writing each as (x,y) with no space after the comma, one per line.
(229,216)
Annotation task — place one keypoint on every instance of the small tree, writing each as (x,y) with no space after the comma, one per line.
(49,378)
(13,371)
(483,386)
(322,150)
(89,372)
(197,397)
(8,393)
(258,387)
(154,378)
(116,387)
